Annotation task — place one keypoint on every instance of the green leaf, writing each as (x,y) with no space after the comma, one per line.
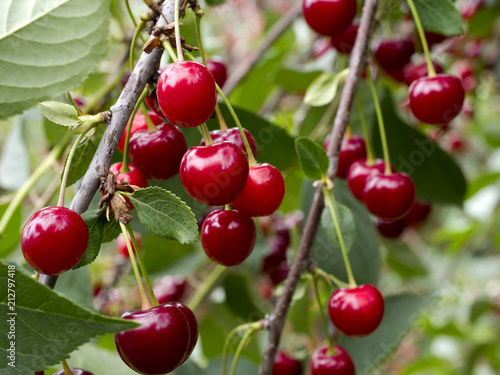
(437,176)
(312,158)
(401,313)
(164,214)
(481,25)
(299,314)
(324,88)
(241,296)
(95,224)
(404,261)
(160,254)
(40,29)
(77,287)
(111,229)
(296,79)
(47,325)
(440,16)
(14,158)
(347,226)
(12,233)
(81,161)
(59,113)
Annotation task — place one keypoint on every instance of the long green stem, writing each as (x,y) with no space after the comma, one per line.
(146,305)
(67,168)
(331,207)
(225,348)
(129,10)
(142,266)
(54,155)
(331,350)
(243,342)
(369,152)
(180,55)
(149,122)
(423,39)
(198,37)
(168,47)
(207,285)
(137,32)
(381,126)
(206,134)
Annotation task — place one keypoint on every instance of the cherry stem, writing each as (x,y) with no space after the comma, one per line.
(67,168)
(142,266)
(206,287)
(331,279)
(198,37)
(47,163)
(246,337)
(225,348)
(146,305)
(330,203)
(220,118)
(67,370)
(331,350)
(149,122)
(180,55)
(205,133)
(381,126)
(130,13)
(369,152)
(137,32)
(423,39)
(168,47)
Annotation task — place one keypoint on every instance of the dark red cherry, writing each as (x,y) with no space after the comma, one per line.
(263,193)
(436,100)
(389,196)
(391,228)
(75,371)
(359,172)
(411,72)
(352,149)
(356,311)
(233,135)
(139,123)
(54,240)
(419,212)
(329,17)
(344,42)
(434,38)
(340,363)
(228,237)
(163,342)
(393,55)
(169,288)
(121,245)
(186,93)
(152,104)
(286,365)
(158,155)
(214,175)
(280,273)
(218,69)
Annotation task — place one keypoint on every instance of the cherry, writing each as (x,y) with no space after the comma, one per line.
(158,155)
(214,175)
(389,196)
(121,245)
(286,365)
(280,273)
(329,17)
(393,55)
(359,172)
(186,93)
(352,149)
(434,38)
(165,339)
(419,212)
(151,102)
(228,237)
(356,311)
(139,123)
(233,135)
(436,100)
(263,192)
(411,72)
(340,363)
(75,371)
(170,288)
(218,69)
(391,228)
(344,41)
(133,177)
(54,240)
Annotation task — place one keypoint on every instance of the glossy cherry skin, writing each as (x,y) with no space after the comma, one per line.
(411,72)
(54,240)
(389,197)
(437,100)
(186,93)
(214,175)
(338,364)
(359,172)
(165,339)
(286,365)
(344,42)
(391,228)
(134,177)
(139,123)
(75,371)
(419,212)
(329,17)
(233,135)
(158,155)
(263,193)
(352,149)
(218,69)
(170,288)
(357,311)
(121,245)
(228,237)
(394,54)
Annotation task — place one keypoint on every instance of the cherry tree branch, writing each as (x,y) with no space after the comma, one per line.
(277,320)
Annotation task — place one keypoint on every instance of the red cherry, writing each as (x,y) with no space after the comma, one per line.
(228,237)
(169,288)
(419,212)
(218,69)
(357,311)
(286,365)
(233,135)
(152,104)
(393,55)
(389,196)
(434,38)
(344,41)
(352,149)
(437,100)
(186,93)
(359,172)
(139,123)
(339,363)
(121,245)
(391,228)
(329,17)
(263,193)
(75,371)
(411,72)
(214,175)
(280,273)
(165,339)
(54,240)
(158,155)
